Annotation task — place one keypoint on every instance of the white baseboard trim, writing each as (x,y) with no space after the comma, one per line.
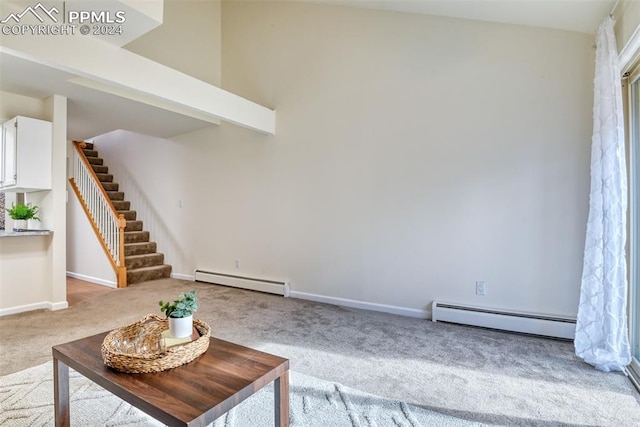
(90,279)
(35,306)
(401,311)
(181,276)
(59,305)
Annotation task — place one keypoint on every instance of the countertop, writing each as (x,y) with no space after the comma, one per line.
(11,233)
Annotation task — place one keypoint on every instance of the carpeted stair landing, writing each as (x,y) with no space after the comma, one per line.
(142,260)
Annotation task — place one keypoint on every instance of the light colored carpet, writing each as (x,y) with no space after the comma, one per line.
(469,373)
(26,400)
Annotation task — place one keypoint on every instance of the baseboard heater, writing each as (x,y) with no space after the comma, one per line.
(528,323)
(262,285)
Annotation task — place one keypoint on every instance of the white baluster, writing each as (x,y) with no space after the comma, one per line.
(104,218)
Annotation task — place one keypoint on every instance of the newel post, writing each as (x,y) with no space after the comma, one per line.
(122,269)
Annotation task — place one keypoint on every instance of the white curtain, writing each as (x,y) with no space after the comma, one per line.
(601,331)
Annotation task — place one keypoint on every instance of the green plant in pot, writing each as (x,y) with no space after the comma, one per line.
(180,313)
(22,213)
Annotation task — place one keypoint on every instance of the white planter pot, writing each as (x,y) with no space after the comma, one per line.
(180,327)
(33,224)
(19,224)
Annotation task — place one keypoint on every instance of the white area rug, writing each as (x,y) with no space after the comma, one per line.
(26,400)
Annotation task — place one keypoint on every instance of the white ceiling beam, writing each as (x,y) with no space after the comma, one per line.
(117,71)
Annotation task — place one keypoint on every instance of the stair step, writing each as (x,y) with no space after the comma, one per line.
(121,205)
(110,186)
(116,195)
(142,261)
(134,226)
(100,168)
(131,249)
(146,274)
(136,236)
(105,177)
(129,215)
(145,260)
(95,160)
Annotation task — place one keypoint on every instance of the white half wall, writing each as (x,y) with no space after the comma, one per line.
(86,259)
(25,271)
(415,155)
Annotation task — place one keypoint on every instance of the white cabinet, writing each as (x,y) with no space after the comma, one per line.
(25,155)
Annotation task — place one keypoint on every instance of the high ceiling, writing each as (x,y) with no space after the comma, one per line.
(92,112)
(572,15)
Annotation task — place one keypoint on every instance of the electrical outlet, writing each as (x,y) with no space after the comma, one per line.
(237,263)
(481,287)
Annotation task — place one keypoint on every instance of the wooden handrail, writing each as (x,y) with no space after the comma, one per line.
(77,145)
(120,270)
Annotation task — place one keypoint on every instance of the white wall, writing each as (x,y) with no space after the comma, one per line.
(627,18)
(414,156)
(189,39)
(32,269)
(12,104)
(56,108)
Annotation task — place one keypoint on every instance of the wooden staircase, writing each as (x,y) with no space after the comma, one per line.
(142,260)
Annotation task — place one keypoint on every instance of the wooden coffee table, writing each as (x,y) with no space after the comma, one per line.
(194,394)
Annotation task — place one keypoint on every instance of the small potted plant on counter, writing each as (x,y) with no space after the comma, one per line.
(180,313)
(22,213)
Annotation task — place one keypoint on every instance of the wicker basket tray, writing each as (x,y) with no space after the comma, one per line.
(150,355)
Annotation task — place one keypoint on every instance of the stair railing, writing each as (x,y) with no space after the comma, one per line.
(105,220)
